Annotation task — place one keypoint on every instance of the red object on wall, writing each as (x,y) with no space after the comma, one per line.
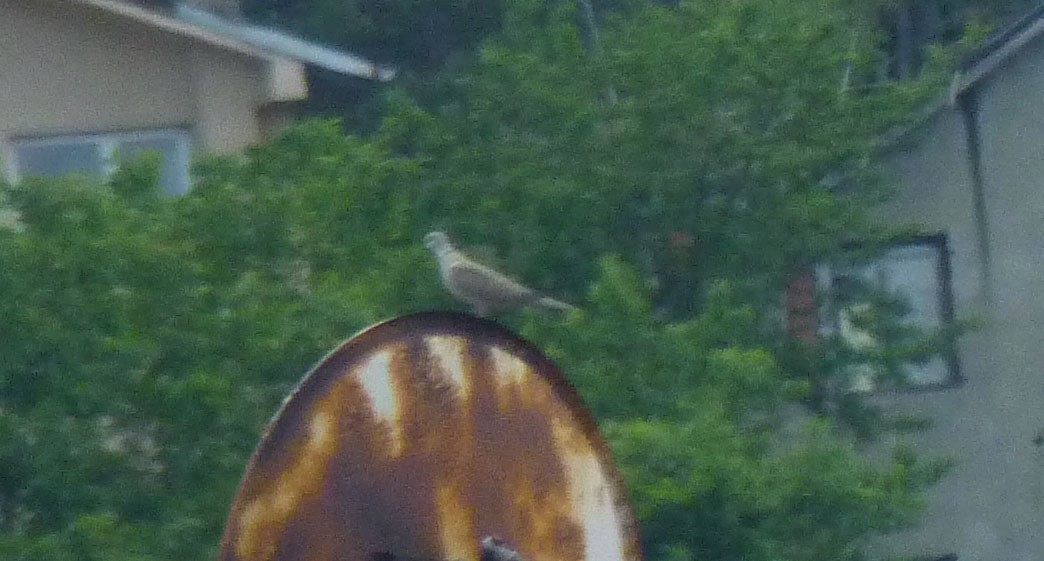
(802,315)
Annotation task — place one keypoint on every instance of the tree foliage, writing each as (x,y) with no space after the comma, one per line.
(147,339)
(414,34)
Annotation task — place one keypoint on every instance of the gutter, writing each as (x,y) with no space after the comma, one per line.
(968,105)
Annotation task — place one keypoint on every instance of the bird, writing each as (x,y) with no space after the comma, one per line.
(495,549)
(484,289)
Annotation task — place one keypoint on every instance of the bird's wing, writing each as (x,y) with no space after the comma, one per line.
(474,282)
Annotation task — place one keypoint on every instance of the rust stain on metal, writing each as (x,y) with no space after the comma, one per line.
(422,435)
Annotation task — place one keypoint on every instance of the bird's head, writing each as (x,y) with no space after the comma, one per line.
(437,242)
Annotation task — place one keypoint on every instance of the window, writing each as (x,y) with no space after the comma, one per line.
(916,277)
(914,280)
(98,155)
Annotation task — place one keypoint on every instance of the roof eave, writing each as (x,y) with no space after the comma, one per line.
(283,44)
(996,56)
(281,62)
(151,18)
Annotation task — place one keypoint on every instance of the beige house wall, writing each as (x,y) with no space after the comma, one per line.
(68,68)
(226,94)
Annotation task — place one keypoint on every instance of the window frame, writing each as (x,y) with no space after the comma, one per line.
(829,324)
(106,144)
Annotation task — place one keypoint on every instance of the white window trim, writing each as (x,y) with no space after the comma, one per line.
(107,143)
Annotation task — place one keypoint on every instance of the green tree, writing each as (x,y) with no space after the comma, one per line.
(147,339)
(412,34)
(711,177)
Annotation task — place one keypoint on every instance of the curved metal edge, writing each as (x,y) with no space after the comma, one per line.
(486,331)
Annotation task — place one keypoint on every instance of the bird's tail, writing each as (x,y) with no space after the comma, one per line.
(552,304)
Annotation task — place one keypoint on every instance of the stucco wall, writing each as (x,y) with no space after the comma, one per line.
(1012,137)
(992,506)
(67,69)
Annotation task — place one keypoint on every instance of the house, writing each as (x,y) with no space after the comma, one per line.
(972,175)
(87,82)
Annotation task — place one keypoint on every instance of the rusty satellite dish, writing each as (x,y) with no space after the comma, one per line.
(419,437)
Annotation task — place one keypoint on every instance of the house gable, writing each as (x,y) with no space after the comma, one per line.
(88,80)
(973,170)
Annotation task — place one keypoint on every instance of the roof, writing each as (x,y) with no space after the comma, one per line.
(244,38)
(284,44)
(997,50)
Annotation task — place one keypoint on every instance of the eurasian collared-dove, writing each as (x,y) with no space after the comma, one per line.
(485,290)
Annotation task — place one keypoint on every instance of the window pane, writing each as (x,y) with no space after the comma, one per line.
(174,168)
(57,159)
(914,274)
